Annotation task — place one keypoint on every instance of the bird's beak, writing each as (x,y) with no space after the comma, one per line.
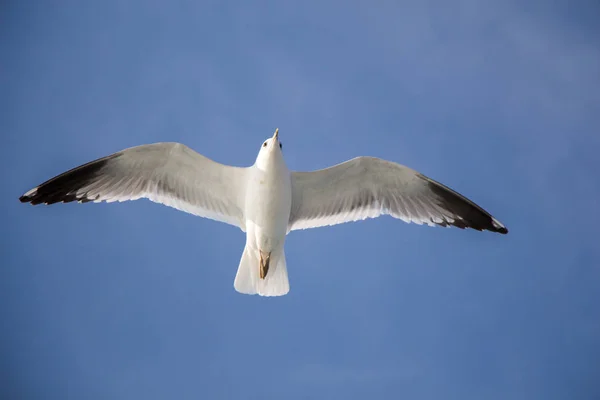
(276,135)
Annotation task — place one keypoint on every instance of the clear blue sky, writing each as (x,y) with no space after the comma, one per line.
(498,100)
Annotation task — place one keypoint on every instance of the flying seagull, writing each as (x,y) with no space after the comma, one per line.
(266,200)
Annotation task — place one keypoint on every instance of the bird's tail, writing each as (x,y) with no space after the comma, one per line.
(248,280)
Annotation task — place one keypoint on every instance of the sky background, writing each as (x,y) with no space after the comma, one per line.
(499,100)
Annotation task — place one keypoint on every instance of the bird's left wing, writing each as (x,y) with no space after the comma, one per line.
(168,173)
(367,187)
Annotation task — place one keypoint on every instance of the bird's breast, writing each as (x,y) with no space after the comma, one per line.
(268,205)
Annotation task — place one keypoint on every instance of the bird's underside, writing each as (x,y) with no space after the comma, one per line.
(174,175)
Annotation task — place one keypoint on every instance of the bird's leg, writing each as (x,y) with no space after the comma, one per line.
(265,259)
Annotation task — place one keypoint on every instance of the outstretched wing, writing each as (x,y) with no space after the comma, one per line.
(168,173)
(367,187)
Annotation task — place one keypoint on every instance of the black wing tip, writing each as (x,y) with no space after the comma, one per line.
(496,226)
(480,223)
(502,230)
(471,215)
(63,188)
(48,199)
(30,197)
(464,224)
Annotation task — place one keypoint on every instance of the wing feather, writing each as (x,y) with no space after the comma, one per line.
(367,187)
(168,173)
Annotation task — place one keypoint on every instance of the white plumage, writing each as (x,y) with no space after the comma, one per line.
(265,200)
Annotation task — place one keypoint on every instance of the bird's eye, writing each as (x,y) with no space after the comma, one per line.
(265,144)
(280,145)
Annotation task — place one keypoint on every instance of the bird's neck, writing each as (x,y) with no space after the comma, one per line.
(271,163)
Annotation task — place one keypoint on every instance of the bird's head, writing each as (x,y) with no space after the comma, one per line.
(270,151)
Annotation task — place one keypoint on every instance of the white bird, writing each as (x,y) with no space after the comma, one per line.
(265,200)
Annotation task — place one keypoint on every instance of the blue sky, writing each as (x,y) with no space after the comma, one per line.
(498,100)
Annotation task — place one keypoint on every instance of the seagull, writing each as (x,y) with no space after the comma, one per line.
(265,200)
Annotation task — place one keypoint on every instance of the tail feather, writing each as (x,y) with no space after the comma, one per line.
(248,281)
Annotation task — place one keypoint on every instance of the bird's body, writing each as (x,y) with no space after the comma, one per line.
(265,200)
(267,213)
(268,202)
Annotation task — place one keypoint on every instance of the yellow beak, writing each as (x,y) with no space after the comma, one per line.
(276,135)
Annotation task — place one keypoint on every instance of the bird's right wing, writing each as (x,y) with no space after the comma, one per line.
(367,187)
(168,173)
